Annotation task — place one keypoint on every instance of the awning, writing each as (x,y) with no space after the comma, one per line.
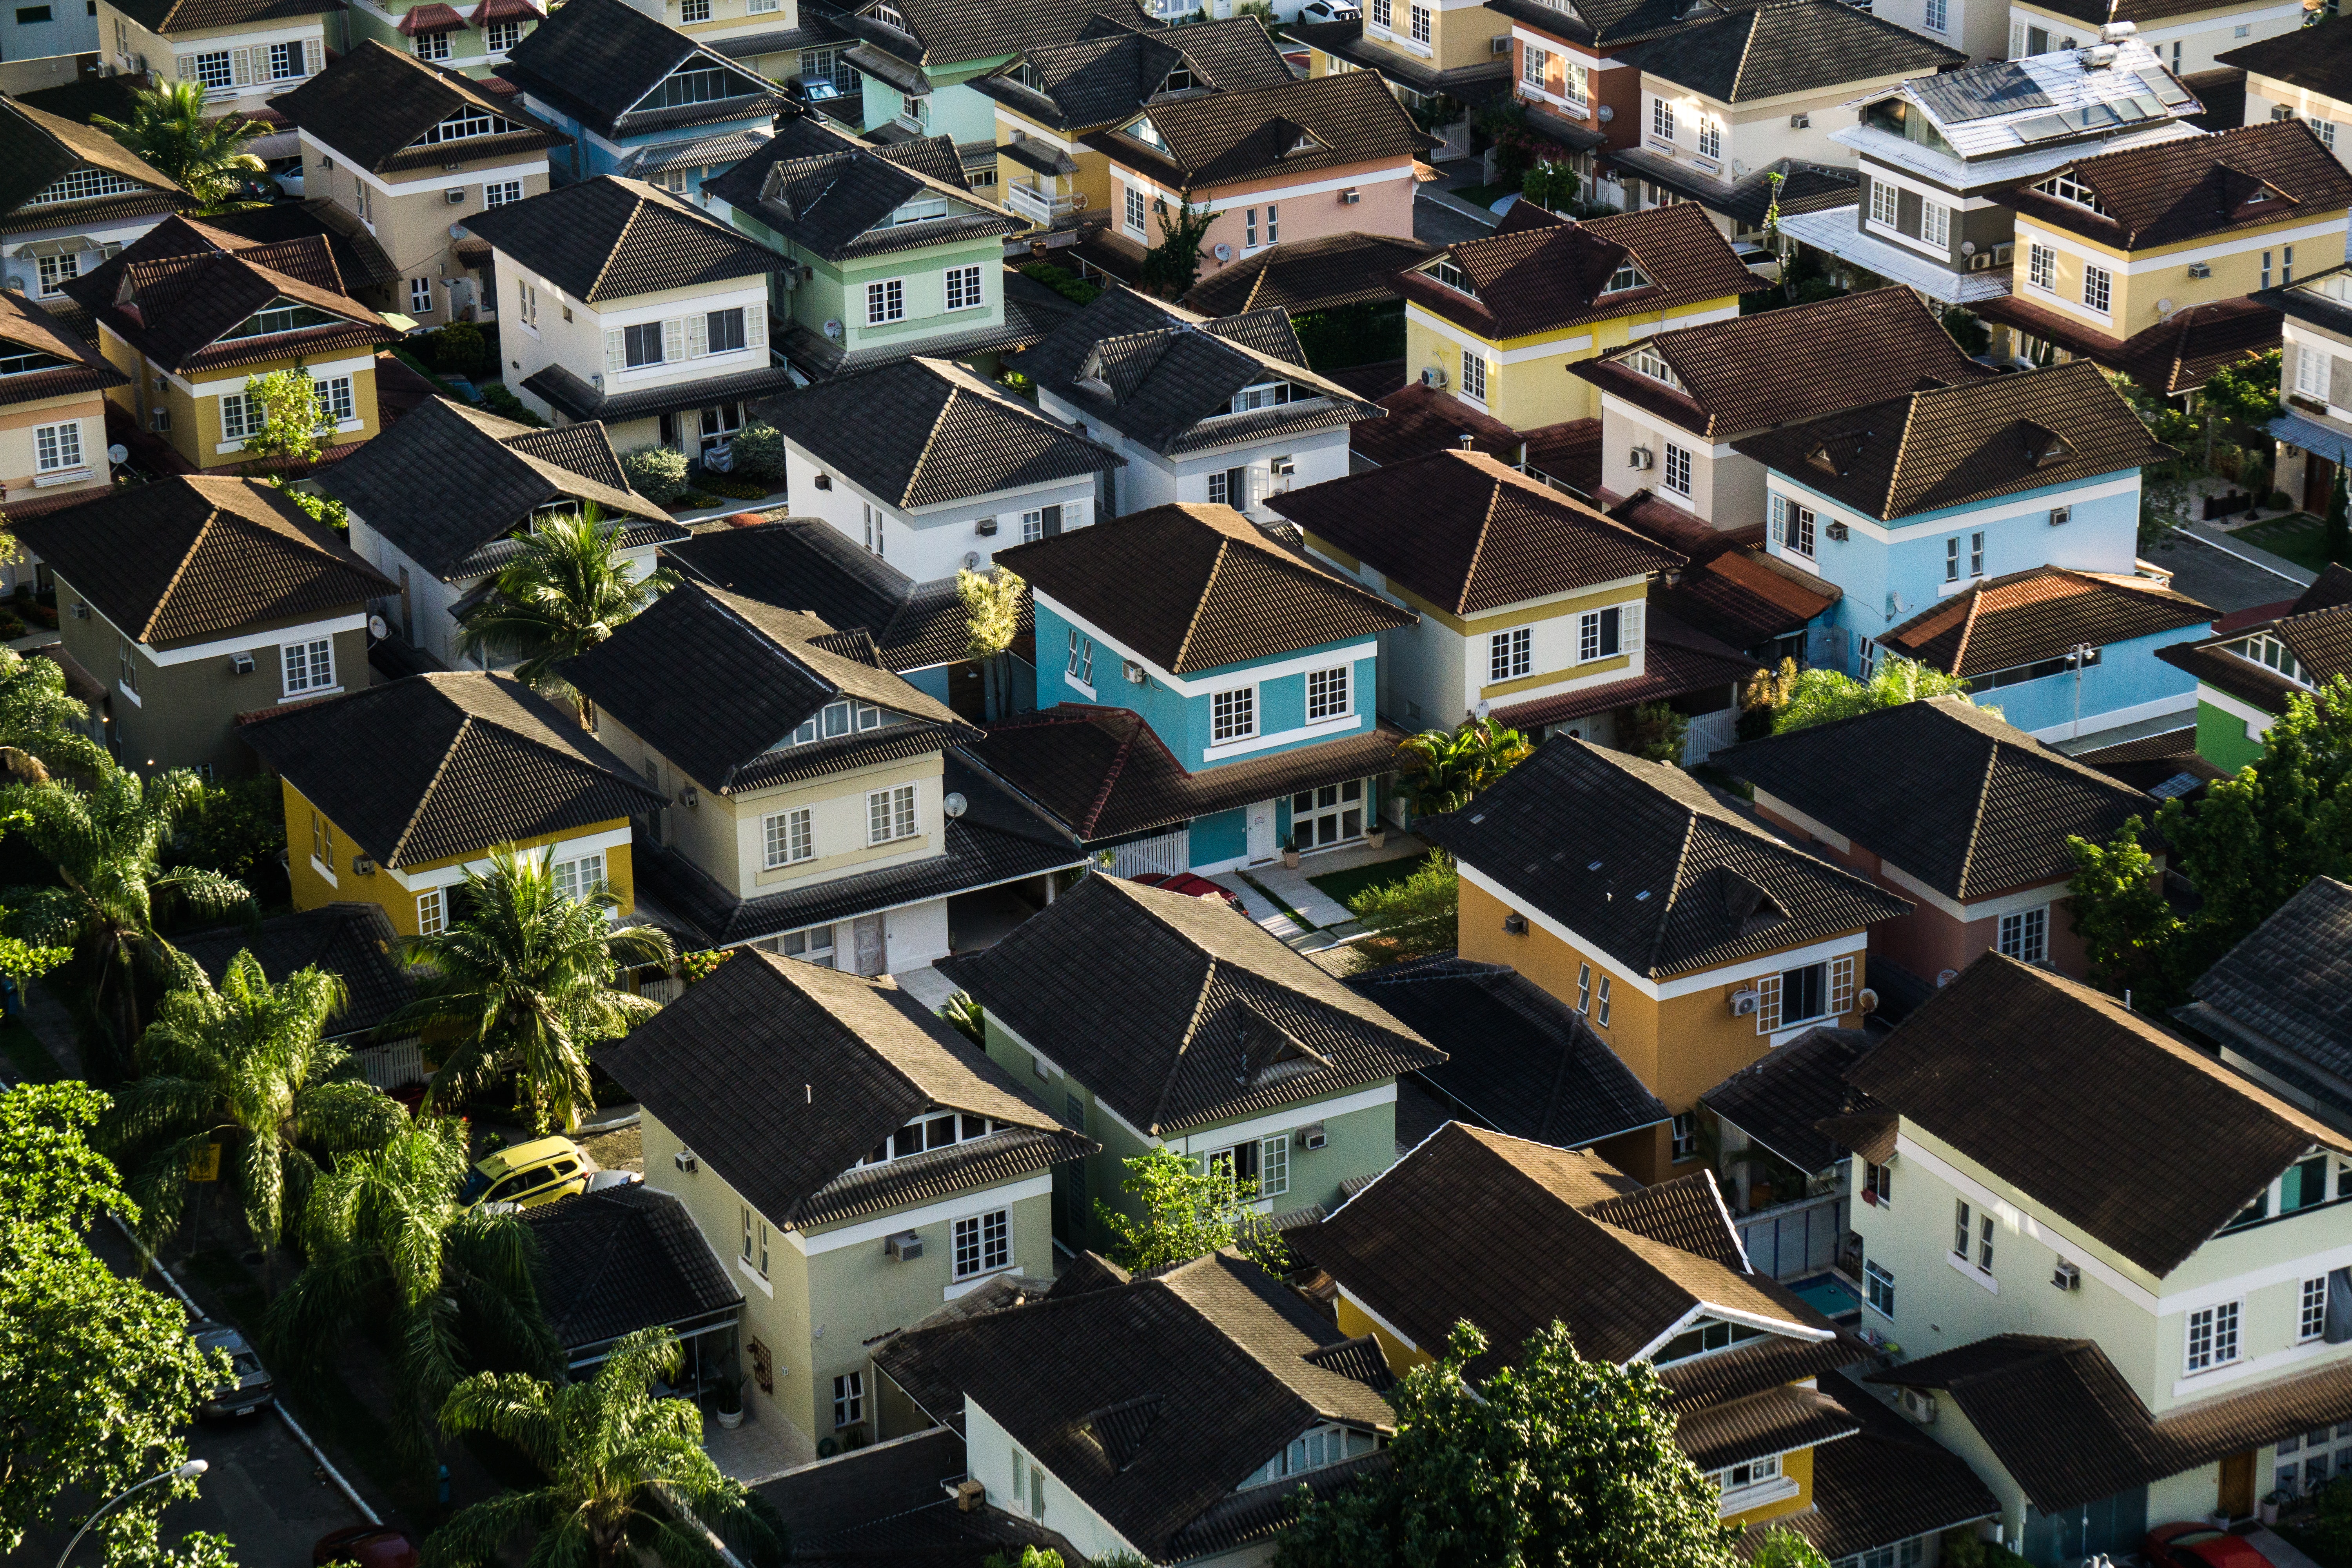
(276,144)
(1836,230)
(728,148)
(506,11)
(2328,442)
(430,19)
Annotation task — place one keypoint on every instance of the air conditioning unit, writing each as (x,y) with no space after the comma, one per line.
(1920,1406)
(2066,1276)
(1312,1136)
(1744,1002)
(824,481)
(2004,253)
(1514,925)
(685,1161)
(1639,458)
(362,866)
(985,528)
(1434,375)
(80,611)
(1840,532)
(1283,468)
(1502,46)
(1350,196)
(240,664)
(456,198)
(905,1246)
(1979,262)
(2061,514)
(1132,671)
(1800,121)
(2200,269)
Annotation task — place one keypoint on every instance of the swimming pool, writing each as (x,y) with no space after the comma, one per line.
(1829,1295)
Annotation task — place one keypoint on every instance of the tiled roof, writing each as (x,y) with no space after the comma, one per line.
(1518,1060)
(24,327)
(943,34)
(924,432)
(1287,132)
(1778,1100)
(1639,859)
(597,59)
(375,106)
(1805,46)
(883,1504)
(1999,1063)
(1422,419)
(2173,356)
(1888,1482)
(2280,992)
(2309,57)
(1607,22)
(2153,760)
(1468,534)
(1772,1422)
(1730,590)
(609,238)
(37,149)
(832,195)
(1755,1366)
(2028,616)
(1751,372)
(1193,587)
(1093,81)
(1961,801)
(1804,187)
(1177,1012)
(626,1258)
(353,941)
(438,766)
(579,402)
(1551,275)
(169,16)
(1309,275)
(359,260)
(718,1066)
(2169,192)
(191,558)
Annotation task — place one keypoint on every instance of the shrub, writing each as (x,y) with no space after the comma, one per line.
(1061,281)
(232,828)
(759,451)
(323,509)
(731,488)
(457,349)
(507,406)
(656,473)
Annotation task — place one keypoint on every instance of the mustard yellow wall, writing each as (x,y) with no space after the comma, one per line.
(1798,1468)
(2237,271)
(195,432)
(1538,391)
(1093,179)
(1353,1323)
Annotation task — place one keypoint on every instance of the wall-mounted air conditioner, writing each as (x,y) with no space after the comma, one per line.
(685,1160)
(1514,925)
(240,664)
(2066,1275)
(1800,121)
(2061,514)
(2200,269)
(1312,1136)
(1744,1002)
(456,198)
(1639,458)
(1840,532)
(1434,375)
(1919,1403)
(904,1247)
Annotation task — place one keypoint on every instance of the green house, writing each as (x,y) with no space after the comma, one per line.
(2246,676)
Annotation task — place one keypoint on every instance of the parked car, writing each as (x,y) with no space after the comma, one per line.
(527,1174)
(605,1181)
(1761,260)
(365,1545)
(250,1386)
(2199,1544)
(821,94)
(1191,886)
(1331,11)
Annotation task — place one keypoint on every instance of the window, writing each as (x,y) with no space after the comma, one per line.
(1326,693)
(2287,267)
(1878,1184)
(431,916)
(1028,1484)
(213,69)
(703,85)
(429,46)
(1794,997)
(890,814)
(848,1399)
(694,10)
(833,721)
(2271,653)
(876,521)
(1598,634)
(1082,657)
(1710,138)
(579,877)
(1737,1485)
(2213,1337)
(2311,1318)
(309,665)
(1531,65)
(420,296)
(1678,473)
(2312,370)
(323,839)
(1661,119)
(1601,1016)
(2018,673)
(500,37)
(1976,555)
(1420,24)
(465,122)
(1935,16)
(28,16)
(1249,228)
(641,344)
(2304,1186)
(1474,377)
(1793,525)
(1273,1165)
(1584,988)
(285,61)
(983,1244)
(1135,212)
(1262,394)
(1936,224)
(2024,936)
(886,302)
(1229,487)
(1383,16)
(1984,1242)
(2042,266)
(1274,226)
(1708,1334)
(2065,187)
(755,1241)
(1952,559)
(56,448)
(1233,715)
(81,184)
(963,288)
(1510,655)
(1239,1162)
(1685,1140)
(498,193)
(2098,289)
(58,270)
(1881,1287)
(790,836)
(1882,202)
(722,331)
(1445,272)
(1841,986)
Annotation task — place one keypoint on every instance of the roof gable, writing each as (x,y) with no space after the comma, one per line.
(599,60)
(39,150)
(1220,138)
(377,107)
(2284,986)
(2031,616)
(2169,192)
(1766,51)
(834,195)
(609,238)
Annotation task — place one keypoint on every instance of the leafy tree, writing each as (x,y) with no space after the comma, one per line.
(568,590)
(1965,329)
(1190,1210)
(1443,771)
(450,1289)
(1784,1547)
(1172,265)
(1029,1557)
(1550,186)
(2339,521)
(992,619)
(1558,1461)
(656,473)
(2120,912)
(1418,916)
(39,723)
(244,1066)
(609,1450)
(237,829)
(204,157)
(1655,732)
(292,420)
(963,1015)
(2245,392)
(1820,696)
(522,982)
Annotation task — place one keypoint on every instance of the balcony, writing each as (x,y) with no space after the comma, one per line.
(1037,207)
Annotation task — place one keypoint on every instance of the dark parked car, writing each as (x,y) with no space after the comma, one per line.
(252,1387)
(821,94)
(1191,886)
(368,1545)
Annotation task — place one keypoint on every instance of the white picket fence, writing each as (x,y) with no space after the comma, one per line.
(393,1065)
(1708,734)
(1164,855)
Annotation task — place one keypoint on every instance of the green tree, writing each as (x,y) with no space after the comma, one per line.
(609,1450)
(1558,1461)
(447,1289)
(522,982)
(566,591)
(1442,770)
(1550,186)
(39,721)
(1820,696)
(992,619)
(207,158)
(963,1015)
(2128,928)
(1419,915)
(2245,392)
(244,1066)
(1654,732)
(292,422)
(1190,1210)
(1172,265)
(1784,1547)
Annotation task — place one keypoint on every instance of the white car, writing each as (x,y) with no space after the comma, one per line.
(1331,11)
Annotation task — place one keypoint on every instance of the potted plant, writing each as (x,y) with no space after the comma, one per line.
(1376,832)
(2271,1500)
(728,1404)
(1290,852)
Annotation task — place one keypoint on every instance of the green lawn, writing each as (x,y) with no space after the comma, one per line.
(2299,536)
(1342,886)
(1483,196)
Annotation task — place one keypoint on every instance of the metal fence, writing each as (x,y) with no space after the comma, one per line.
(1788,1241)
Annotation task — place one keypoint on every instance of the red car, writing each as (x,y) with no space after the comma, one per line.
(368,1545)
(1192,887)
(2199,1544)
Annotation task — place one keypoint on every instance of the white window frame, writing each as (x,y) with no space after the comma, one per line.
(1532,62)
(1273,1165)
(2042,267)
(1137,213)
(886,301)
(1661,119)
(1935,16)
(1233,715)
(58,448)
(1683,1137)
(787,837)
(1601,1012)
(1883,202)
(1583,989)
(2213,1338)
(961,287)
(2024,934)
(1474,375)
(849,1399)
(980,1244)
(891,816)
(1510,653)
(2311,1311)
(1794,526)
(1674,471)
(420,296)
(1936,224)
(498,193)
(429,46)
(501,36)
(56,271)
(432,912)
(1878,1287)
(1082,658)
(306,668)
(2313,369)
(1710,137)
(1421,24)
(1330,694)
(579,877)
(2098,290)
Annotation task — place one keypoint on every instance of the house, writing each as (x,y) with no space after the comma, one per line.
(2103,1368)
(1650,1276)
(243,53)
(1733,589)
(1564,71)
(54,386)
(353,941)
(184,589)
(410,150)
(779,39)
(1785,1179)
(192,312)
(1967,817)
(1307,276)
(395,793)
(2246,676)
(916,60)
(2113,255)
(893,255)
(1497,320)
(74,197)
(1911,501)
(823,819)
(611,1262)
(635,310)
(1176,1415)
(1233,653)
(926,1175)
(1220,411)
(1436,58)
(1690,938)
(932,469)
(2302,74)
(472,42)
(1673,404)
(2314,428)
(2273,1002)
(1162,1021)
(47,32)
(2189,38)
(883,1502)
(437,505)
(637,99)
(1936,152)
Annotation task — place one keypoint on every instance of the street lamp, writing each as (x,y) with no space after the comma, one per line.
(2078,655)
(186,1472)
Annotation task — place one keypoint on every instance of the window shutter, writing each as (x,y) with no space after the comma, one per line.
(1073,514)
(673,339)
(615,352)
(1767,1003)
(311,50)
(184,66)
(698,335)
(755,326)
(1629,627)
(240,65)
(1841,986)
(2016,41)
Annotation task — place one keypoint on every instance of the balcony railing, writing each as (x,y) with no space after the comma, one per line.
(1034,204)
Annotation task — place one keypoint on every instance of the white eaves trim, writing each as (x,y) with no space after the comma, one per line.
(1207,684)
(963,1206)
(450,876)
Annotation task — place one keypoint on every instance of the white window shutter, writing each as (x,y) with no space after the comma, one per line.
(240,65)
(184,67)
(1629,627)
(673,339)
(313,56)
(1767,1003)
(615,352)
(755,326)
(2016,41)
(698,335)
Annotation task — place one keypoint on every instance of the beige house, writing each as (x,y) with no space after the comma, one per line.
(242,52)
(52,414)
(2186,37)
(2305,75)
(1427,51)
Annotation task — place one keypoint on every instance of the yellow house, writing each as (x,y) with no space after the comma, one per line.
(1496,322)
(2117,264)
(1432,53)
(52,414)
(194,310)
(395,793)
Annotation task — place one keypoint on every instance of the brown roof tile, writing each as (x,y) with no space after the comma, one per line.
(1309,275)
(374,106)
(1422,419)
(1887,1483)
(1771,1422)
(2028,616)
(1223,138)
(25,328)
(2169,192)
(39,148)
(2172,357)
(609,238)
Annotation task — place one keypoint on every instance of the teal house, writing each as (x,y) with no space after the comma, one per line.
(1153,1019)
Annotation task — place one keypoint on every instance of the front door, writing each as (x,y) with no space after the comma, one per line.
(2318,482)
(1261,832)
(869,956)
(2236,1498)
(1327,815)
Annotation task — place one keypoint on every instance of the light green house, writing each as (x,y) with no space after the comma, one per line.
(1152,1019)
(857,1164)
(2246,676)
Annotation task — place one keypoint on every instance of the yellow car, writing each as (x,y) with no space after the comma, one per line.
(527,1174)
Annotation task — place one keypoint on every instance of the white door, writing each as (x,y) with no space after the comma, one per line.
(1261,831)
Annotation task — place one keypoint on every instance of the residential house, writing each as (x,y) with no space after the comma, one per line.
(1254,669)
(883,1502)
(1307,276)
(353,941)
(1175,1415)
(438,505)
(633,310)
(1220,411)
(53,391)
(1578,97)
(1434,58)
(2273,1002)
(925,1176)
(1643,1276)
(779,39)
(410,150)
(194,312)
(47,31)
(74,196)
(916,60)
(1936,152)
(925,464)
(474,42)
(2302,73)
(1925,495)
(2246,676)
(637,99)
(1691,939)
(885,252)
(2189,1341)
(823,819)
(243,53)
(182,589)
(622,1259)
(1786,1180)
(2117,263)
(1495,321)
(1734,590)
(2314,428)
(394,794)
(1673,404)
(2187,37)
(1164,1021)
(1967,817)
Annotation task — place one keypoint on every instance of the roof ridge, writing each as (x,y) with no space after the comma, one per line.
(1201,605)
(1674,886)
(931,439)
(425,796)
(1111,778)
(1470,573)
(1976,820)
(1967,623)
(1748,44)
(163,599)
(1191,1027)
(620,242)
(1902,445)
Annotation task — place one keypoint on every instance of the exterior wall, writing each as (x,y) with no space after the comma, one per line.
(2185,43)
(411,218)
(1092,181)
(1527,381)
(193,406)
(2130,683)
(469,48)
(2230,733)
(952,109)
(94,239)
(1311,207)
(123,38)
(930,543)
(426,614)
(64,29)
(836,292)
(988,1457)
(572,333)
(2330,117)
(1152,480)
(592,153)
(2241,263)
(1726,488)
(1461,34)
(20,478)
(1979,27)
(1755,134)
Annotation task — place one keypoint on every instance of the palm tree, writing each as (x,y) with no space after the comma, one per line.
(568,590)
(608,1449)
(168,128)
(41,725)
(104,843)
(1442,770)
(390,1251)
(243,1065)
(522,982)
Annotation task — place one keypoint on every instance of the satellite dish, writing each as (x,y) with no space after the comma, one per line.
(456,231)
(971,560)
(833,331)
(1607,114)
(117,453)
(955,804)
(2164,308)
(377,630)
(1481,710)
(1221,251)
(1967,248)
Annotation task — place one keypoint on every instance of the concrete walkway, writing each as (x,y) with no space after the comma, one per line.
(926,985)
(1324,915)
(2222,538)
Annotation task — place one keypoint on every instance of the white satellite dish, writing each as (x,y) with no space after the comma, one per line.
(1483,707)
(456,231)
(1221,251)
(117,453)
(377,630)
(955,804)
(833,331)
(971,560)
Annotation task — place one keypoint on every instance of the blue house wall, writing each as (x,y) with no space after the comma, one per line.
(2129,674)
(595,154)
